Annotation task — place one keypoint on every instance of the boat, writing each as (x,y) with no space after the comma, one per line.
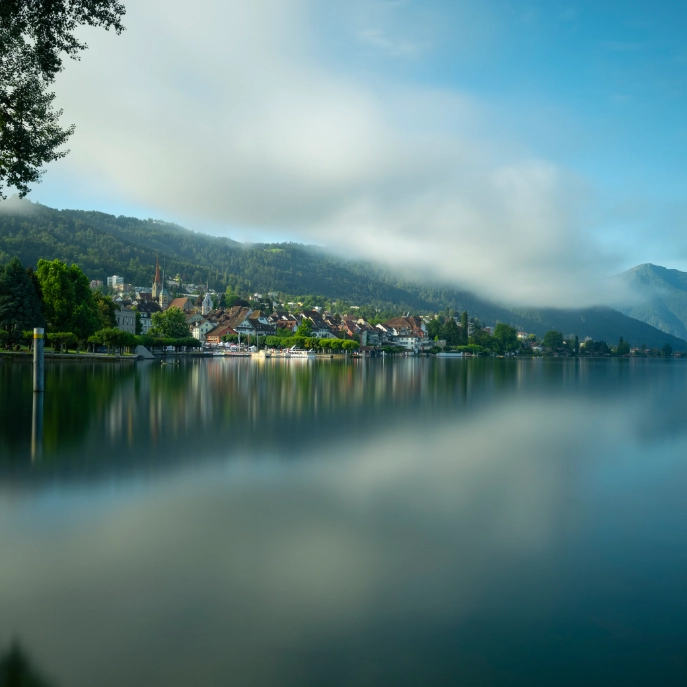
(450,354)
(299,353)
(261,354)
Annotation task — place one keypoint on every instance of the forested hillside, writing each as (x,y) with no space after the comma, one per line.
(103,245)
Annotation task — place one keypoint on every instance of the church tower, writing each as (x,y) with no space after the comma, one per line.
(207,304)
(164,297)
(157,284)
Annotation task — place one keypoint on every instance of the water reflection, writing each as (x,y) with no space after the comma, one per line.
(37,427)
(17,670)
(412,523)
(126,418)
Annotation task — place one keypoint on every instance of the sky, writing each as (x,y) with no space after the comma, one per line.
(523,150)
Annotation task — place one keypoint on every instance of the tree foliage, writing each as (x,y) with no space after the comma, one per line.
(20,307)
(34,36)
(68,303)
(505,338)
(464,326)
(170,323)
(107,310)
(553,339)
(304,328)
(62,339)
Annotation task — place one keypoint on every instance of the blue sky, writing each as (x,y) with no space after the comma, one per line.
(599,86)
(543,142)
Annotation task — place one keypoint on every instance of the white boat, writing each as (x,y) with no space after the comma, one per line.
(450,354)
(299,353)
(261,354)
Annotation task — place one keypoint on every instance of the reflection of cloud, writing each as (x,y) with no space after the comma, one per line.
(347,536)
(417,528)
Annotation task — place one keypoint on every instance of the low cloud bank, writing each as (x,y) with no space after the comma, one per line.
(233,116)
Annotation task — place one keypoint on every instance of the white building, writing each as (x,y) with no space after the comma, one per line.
(200,329)
(126,319)
(114,281)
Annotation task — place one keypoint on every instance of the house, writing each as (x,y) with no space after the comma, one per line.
(184,303)
(214,335)
(256,324)
(147,309)
(320,329)
(412,342)
(126,319)
(369,335)
(284,326)
(231,316)
(349,328)
(201,328)
(406,325)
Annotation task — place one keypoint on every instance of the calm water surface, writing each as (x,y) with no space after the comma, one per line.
(406,522)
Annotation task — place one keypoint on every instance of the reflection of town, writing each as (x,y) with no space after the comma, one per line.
(115,416)
(99,418)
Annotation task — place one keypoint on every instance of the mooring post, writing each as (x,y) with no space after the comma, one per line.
(38,360)
(37,428)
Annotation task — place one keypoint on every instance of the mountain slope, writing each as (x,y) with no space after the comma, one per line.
(104,245)
(662,297)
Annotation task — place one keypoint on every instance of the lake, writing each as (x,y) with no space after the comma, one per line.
(376,522)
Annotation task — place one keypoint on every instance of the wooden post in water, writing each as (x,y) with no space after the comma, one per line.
(38,360)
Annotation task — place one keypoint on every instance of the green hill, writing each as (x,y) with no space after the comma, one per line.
(103,245)
(662,295)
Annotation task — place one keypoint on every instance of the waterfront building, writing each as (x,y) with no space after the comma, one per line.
(126,319)
(147,309)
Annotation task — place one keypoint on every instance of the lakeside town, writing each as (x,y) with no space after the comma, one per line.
(239,324)
(84,315)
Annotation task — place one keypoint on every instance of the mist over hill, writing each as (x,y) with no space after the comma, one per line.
(661,297)
(103,245)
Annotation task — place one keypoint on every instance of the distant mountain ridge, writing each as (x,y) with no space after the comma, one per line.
(662,297)
(103,245)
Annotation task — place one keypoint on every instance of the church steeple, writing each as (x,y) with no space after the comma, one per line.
(157,284)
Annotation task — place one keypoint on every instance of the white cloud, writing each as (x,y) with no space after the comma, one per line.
(396,48)
(231,115)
